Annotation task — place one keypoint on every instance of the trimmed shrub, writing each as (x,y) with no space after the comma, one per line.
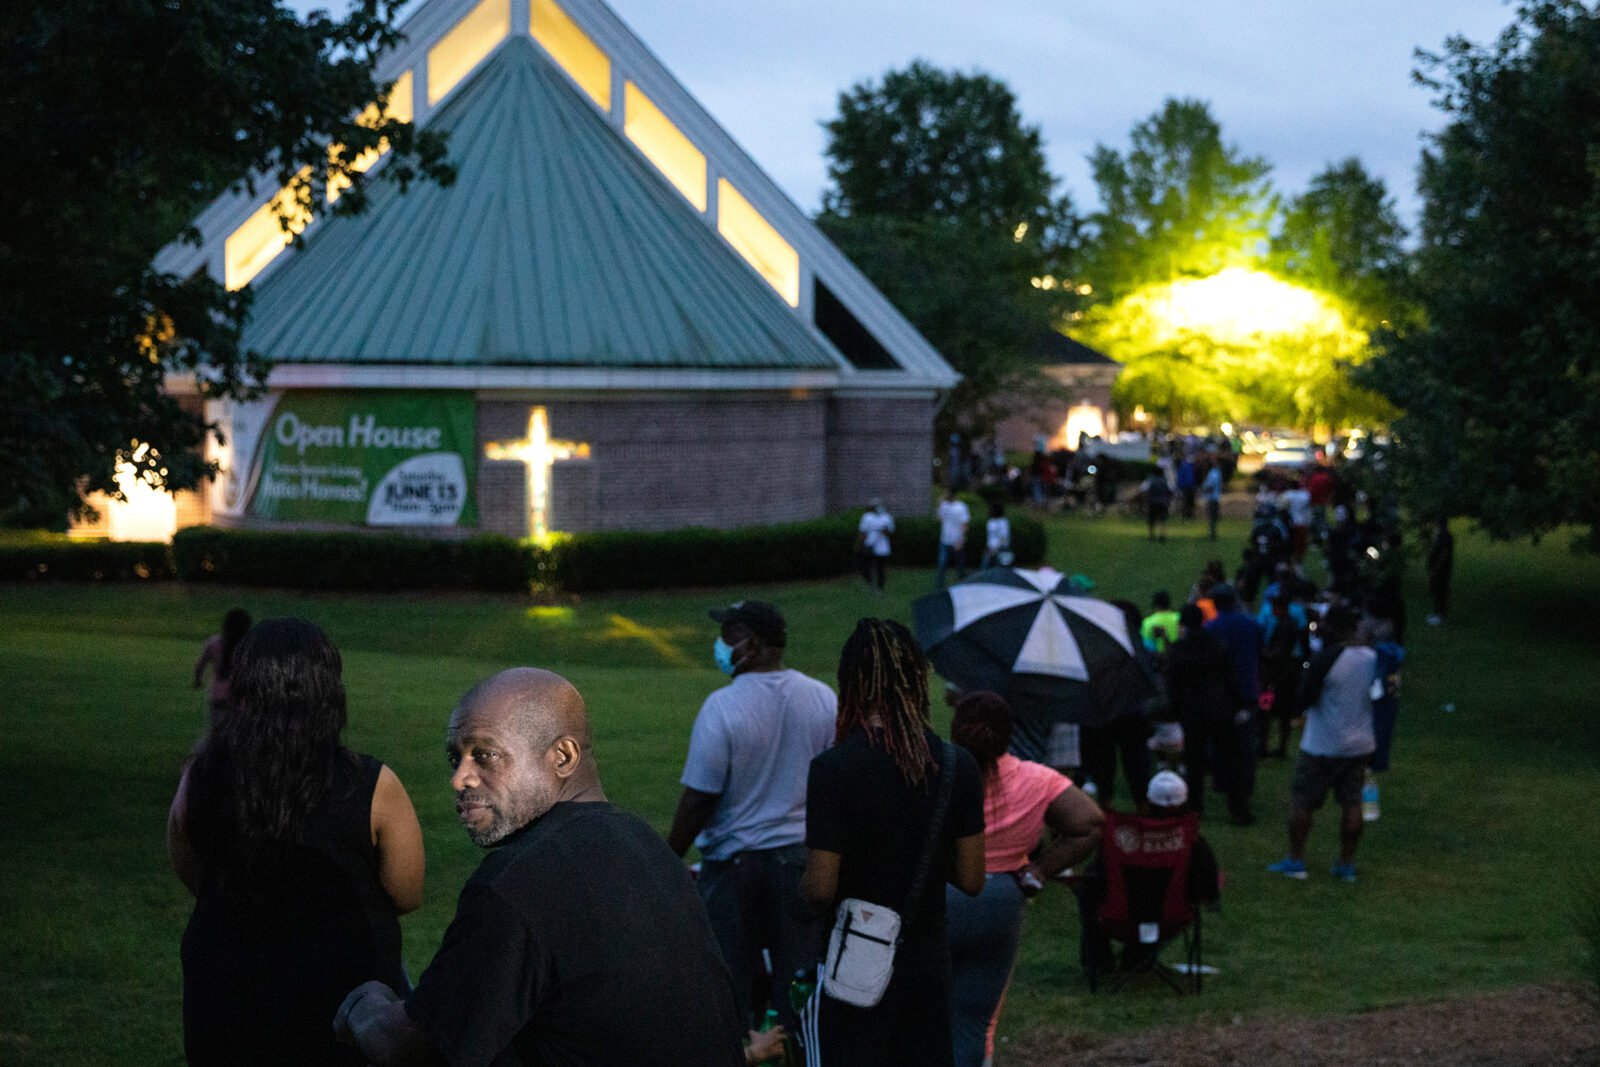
(53,557)
(573,563)
(592,562)
(349,560)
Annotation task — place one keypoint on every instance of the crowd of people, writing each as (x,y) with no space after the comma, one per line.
(808,809)
(861,881)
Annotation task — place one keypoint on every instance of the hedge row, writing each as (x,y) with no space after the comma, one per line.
(307,560)
(575,563)
(584,563)
(51,557)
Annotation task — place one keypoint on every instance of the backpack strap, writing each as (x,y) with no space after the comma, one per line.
(947,778)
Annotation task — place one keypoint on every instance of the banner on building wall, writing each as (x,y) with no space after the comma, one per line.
(353,458)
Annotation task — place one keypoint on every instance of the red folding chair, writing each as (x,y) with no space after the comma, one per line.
(1146,905)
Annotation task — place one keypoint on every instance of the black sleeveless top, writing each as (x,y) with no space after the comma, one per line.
(268,962)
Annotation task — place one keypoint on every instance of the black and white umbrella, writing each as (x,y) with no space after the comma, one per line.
(1054,654)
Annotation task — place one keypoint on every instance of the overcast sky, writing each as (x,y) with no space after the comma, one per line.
(1300,82)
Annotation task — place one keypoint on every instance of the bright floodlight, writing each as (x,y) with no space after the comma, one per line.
(1237,305)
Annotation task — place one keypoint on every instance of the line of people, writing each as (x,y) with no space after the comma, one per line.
(581,937)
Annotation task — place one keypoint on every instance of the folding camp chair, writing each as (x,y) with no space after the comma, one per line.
(1146,905)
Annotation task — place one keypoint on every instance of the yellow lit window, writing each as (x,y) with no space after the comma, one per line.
(256,243)
(665,145)
(569,46)
(399,108)
(755,239)
(465,45)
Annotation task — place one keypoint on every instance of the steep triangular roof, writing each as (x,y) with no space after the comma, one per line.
(562,257)
(556,246)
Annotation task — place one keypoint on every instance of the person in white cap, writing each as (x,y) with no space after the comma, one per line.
(1166,797)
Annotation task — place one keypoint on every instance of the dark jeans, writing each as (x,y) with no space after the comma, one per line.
(753,902)
(1101,745)
(948,555)
(873,568)
(984,933)
(1218,744)
(1213,512)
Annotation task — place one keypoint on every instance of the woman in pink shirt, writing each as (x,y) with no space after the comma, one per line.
(1020,800)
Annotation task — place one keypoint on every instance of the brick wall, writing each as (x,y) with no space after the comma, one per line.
(883,448)
(661,463)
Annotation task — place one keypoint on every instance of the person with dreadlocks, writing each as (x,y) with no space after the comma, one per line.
(301,855)
(871,802)
(1020,800)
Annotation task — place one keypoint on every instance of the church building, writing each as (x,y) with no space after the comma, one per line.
(611,320)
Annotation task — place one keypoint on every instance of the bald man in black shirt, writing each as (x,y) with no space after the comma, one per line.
(579,940)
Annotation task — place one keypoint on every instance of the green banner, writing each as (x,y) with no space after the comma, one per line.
(367,458)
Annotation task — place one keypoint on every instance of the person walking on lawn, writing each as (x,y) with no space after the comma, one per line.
(1336,746)
(954,518)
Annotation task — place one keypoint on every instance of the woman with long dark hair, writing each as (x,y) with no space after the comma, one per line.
(871,802)
(1020,800)
(301,855)
(217,654)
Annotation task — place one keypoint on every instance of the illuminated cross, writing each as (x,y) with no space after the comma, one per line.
(537,453)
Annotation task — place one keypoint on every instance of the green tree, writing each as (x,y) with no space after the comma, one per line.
(1179,203)
(1500,384)
(1344,237)
(941,194)
(1222,305)
(121,120)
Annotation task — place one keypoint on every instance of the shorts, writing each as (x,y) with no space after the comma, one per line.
(1315,775)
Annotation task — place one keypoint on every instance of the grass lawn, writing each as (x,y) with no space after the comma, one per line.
(1466,880)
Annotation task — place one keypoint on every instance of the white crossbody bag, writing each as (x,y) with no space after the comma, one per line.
(861,950)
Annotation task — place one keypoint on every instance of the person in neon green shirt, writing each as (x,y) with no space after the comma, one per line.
(1160,627)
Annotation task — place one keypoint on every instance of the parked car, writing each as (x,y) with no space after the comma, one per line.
(1289,456)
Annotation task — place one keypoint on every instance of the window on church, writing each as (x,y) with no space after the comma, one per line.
(753,237)
(257,242)
(853,340)
(465,46)
(400,107)
(572,50)
(663,144)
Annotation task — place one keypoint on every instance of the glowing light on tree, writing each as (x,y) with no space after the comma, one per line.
(1238,306)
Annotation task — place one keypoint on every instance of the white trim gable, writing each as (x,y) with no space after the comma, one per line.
(631,61)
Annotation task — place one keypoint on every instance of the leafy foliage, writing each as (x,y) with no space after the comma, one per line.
(131,117)
(1344,237)
(1180,203)
(940,193)
(1223,305)
(1500,384)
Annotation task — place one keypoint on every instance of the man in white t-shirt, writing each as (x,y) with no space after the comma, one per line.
(1337,744)
(872,544)
(744,799)
(954,518)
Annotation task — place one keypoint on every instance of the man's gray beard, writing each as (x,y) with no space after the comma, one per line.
(528,808)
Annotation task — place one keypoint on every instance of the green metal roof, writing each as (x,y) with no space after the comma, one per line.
(558,245)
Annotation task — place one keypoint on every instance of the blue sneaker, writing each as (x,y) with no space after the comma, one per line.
(1345,872)
(1289,868)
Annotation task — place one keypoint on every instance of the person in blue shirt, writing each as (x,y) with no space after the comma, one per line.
(1241,637)
(1385,706)
(1284,627)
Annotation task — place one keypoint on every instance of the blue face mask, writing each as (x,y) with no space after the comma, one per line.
(722,652)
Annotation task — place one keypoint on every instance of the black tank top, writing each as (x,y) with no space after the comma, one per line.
(267,960)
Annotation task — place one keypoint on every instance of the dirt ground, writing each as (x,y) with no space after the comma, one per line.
(1536,1025)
